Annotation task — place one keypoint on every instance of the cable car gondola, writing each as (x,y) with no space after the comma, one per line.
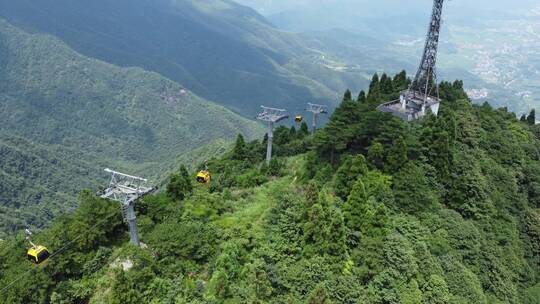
(203,177)
(37,253)
(298,118)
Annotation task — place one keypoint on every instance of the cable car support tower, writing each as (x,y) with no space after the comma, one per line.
(271,115)
(316,109)
(127,189)
(418,99)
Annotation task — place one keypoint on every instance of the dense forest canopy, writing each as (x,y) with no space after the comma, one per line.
(369,209)
(64,117)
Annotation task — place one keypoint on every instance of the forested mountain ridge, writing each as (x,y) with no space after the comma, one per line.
(64,117)
(369,209)
(218,49)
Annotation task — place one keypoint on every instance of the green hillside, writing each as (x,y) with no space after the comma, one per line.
(370,209)
(220,50)
(65,117)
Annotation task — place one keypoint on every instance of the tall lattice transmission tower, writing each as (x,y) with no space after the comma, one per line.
(422,96)
(126,190)
(271,115)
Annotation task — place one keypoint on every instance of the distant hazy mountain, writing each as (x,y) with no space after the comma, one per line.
(65,117)
(217,48)
(492,45)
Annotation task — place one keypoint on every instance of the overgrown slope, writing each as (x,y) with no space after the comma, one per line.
(65,117)
(368,210)
(219,49)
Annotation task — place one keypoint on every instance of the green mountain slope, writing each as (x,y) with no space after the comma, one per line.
(220,50)
(65,117)
(370,209)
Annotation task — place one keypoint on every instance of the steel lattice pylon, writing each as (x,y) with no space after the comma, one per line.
(418,100)
(271,115)
(426,76)
(316,110)
(127,189)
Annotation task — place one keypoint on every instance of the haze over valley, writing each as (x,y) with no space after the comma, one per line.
(494,47)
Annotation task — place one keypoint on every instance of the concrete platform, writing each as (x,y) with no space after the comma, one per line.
(411,105)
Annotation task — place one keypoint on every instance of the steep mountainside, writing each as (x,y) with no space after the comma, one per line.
(65,117)
(218,49)
(370,209)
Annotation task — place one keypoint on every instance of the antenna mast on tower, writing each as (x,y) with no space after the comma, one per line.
(426,76)
(418,100)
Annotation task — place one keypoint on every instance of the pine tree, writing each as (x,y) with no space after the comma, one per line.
(361,97)
(292,133)
(337,133)
(400,81)
(316,230)
(374,93)
(347,96)
(304,129)
(376,155)
(397,155)
(180,184)
(420,198)
(274,167)
(348,173)
(337,239)
(240,149)
(311,195)
(185,175)
(531,119)
(356,208)
(386,84)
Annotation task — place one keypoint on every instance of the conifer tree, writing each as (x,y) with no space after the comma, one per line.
(274,167)
(240,149)
(316,230)
(376,155)
(386,84)
(348,173)
(337,133)
(292,133)
(356,208)
(415,199)
(304,129)
(361,97)
(311,195)
(400,81)
(347,96)
(374,93)
(180,184)
(337,239)
(397,155)
(531,119)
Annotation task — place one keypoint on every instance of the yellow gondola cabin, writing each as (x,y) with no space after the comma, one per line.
(203,177)
(37,254)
